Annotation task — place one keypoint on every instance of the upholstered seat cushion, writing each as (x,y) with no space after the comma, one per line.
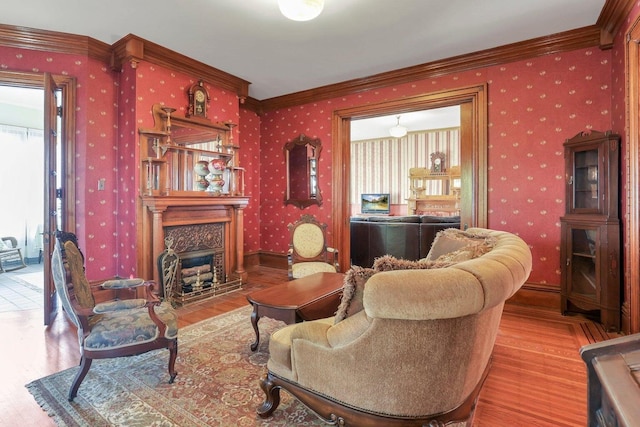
(303,269)
(127,327)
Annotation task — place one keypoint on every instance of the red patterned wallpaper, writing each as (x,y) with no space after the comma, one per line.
(534,105)
(249,131)
(96,211)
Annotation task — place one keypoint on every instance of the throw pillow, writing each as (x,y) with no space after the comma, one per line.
(449,242)
(353,291)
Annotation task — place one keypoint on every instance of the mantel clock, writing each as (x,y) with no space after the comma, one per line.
(198,100)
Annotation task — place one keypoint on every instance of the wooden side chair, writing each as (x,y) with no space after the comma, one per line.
(115,328)
(308,251)
(10,255)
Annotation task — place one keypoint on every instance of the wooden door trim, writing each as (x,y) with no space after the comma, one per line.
(631,217)
(68,86)
(475,214)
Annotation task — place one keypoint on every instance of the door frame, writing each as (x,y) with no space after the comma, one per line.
(473,139)
(67,86)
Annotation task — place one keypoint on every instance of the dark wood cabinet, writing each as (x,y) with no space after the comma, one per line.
(590,229)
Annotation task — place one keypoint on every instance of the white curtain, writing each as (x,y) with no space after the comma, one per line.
(22,187)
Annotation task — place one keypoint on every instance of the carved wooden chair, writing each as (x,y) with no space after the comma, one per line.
(10,253)
(114,328)
(308,251)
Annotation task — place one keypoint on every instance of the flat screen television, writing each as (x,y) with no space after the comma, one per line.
(375,203)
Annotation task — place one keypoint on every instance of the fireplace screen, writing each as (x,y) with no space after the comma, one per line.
(193,265)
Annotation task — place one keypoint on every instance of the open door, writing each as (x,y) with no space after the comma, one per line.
(53,190)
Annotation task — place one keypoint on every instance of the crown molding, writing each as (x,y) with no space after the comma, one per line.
(612,17)
(53,41)
(133,49)
(560,42)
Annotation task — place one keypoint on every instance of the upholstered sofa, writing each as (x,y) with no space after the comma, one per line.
(407,236)
(409,346)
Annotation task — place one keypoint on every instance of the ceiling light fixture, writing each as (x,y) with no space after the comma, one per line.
(398,131)
(301,10)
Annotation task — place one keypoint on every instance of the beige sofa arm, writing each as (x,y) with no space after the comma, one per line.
(314,331)
(423,294)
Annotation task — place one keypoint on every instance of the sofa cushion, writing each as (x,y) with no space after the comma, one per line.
(431,219)
(404,219)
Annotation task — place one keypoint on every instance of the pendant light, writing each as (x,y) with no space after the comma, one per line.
(398,131)
(301,10)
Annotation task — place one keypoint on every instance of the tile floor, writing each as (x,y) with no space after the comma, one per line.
(22,289)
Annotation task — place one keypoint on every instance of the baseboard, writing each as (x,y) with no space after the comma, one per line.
(538,295)
(266,259)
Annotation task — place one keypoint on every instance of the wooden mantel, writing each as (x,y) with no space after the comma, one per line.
(157,212)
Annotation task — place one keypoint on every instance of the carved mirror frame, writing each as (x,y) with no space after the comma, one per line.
(302,155)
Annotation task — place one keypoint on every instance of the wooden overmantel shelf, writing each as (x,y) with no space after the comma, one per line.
(188,208)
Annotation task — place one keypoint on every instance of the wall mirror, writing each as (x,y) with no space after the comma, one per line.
(301,156)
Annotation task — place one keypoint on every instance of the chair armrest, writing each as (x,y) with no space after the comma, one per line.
(122,283)
(111,306)
(314,331)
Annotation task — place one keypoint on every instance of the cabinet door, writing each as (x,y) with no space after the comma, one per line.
(583,284)
(585,183)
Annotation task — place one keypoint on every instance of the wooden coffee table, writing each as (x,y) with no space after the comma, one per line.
(311,297)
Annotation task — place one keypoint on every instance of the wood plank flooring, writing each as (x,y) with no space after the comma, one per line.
(537,377)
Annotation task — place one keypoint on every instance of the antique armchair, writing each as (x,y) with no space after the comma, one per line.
(308,251)
(116,327)
(411,342)
(10,253)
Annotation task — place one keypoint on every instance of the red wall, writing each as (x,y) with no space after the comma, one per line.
(534,105)
(96,113)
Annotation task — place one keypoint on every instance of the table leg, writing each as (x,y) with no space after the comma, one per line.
(254,322)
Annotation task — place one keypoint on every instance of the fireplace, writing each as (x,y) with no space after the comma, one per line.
(205,230)
(199,263)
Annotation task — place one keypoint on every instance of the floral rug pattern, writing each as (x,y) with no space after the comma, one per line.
(217,383)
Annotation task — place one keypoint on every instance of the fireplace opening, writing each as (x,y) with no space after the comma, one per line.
(201,275)
(193,266)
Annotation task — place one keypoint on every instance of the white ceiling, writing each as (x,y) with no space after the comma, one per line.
(350,39)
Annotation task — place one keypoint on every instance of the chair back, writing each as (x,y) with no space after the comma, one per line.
(307,238)
(308,251)
(67,266)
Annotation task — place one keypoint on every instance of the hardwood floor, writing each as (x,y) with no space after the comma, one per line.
(537,377)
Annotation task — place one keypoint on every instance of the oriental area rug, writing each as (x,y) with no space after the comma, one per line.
(217,383)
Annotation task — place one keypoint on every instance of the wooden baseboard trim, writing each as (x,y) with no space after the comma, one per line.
(538,295)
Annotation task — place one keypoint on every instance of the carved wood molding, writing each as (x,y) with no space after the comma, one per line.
(52,41)
(133,49)
(561,42)
(612,17)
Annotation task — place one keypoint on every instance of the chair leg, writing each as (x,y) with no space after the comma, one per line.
(173,354)
(272,397)
(85,364)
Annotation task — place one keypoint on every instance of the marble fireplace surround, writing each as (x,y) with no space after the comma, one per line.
(160,212)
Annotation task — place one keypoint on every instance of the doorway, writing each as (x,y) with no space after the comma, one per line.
(21,189)
(473,148)
(381,162)
(58,165)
